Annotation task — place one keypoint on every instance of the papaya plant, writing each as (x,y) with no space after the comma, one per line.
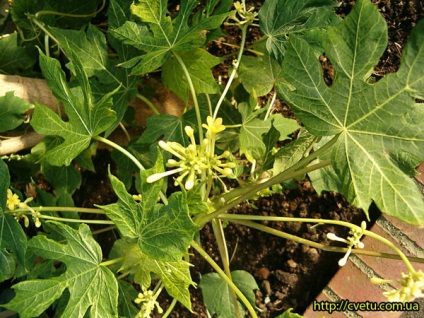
(358,136)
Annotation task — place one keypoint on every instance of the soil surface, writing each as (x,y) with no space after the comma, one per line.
(289,275)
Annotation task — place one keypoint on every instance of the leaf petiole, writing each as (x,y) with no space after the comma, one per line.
(221,273)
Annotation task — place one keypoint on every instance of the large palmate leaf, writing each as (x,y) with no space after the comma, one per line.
(163,232)
(92,287)
(377,124)
(87,115)
(92,51)
(279,19)
(158,36)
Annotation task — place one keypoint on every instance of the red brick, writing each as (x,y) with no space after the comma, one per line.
(415,233)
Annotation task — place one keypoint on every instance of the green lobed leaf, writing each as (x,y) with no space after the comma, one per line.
(198,63)
(167,230)
(278,20)
(7,265)
(375,122)
(13,58)
(91,48)
(259,74)
(65,180)
(158,35)
(127,294)
(251,131)
(12,236)
(87,117)
(174,275)
(169,127)
(126,213)
(163,232)
(82,257)
(292,153)
(217,294)
(12,111)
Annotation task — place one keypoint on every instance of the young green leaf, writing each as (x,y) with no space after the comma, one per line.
(158,36)
(88,117)
(174,275)
(163,232)
(12,236)
(217,295)
(169,127)
(198,63)
(65,180)
(12,110)
(259,74)
(373,121)
(13,57)
(82,257)
(127,294)
(279,19)
(7,265)
(92,51)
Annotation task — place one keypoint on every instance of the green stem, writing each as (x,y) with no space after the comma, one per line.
(223,251)
(131,157)
(111,262)
(193,94)
(249,191)
(170,308)
(271,106)
(394,247)
(60,209)
(120,149)
(233,72)
(48,217)
(237,219)
(148,103)
(221,273)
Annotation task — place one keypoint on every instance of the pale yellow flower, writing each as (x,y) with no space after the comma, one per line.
(214,126)
(13,200)
(411,287)
(352,241)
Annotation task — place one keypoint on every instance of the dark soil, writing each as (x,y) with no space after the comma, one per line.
(289,275)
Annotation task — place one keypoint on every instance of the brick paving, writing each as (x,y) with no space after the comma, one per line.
(352,280)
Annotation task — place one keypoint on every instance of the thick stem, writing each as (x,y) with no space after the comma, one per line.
(249,191)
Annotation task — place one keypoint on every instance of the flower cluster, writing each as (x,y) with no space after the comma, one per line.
(194,160)
(148,298)
(412,286)
(241,15)
(352,241)
(13,202)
